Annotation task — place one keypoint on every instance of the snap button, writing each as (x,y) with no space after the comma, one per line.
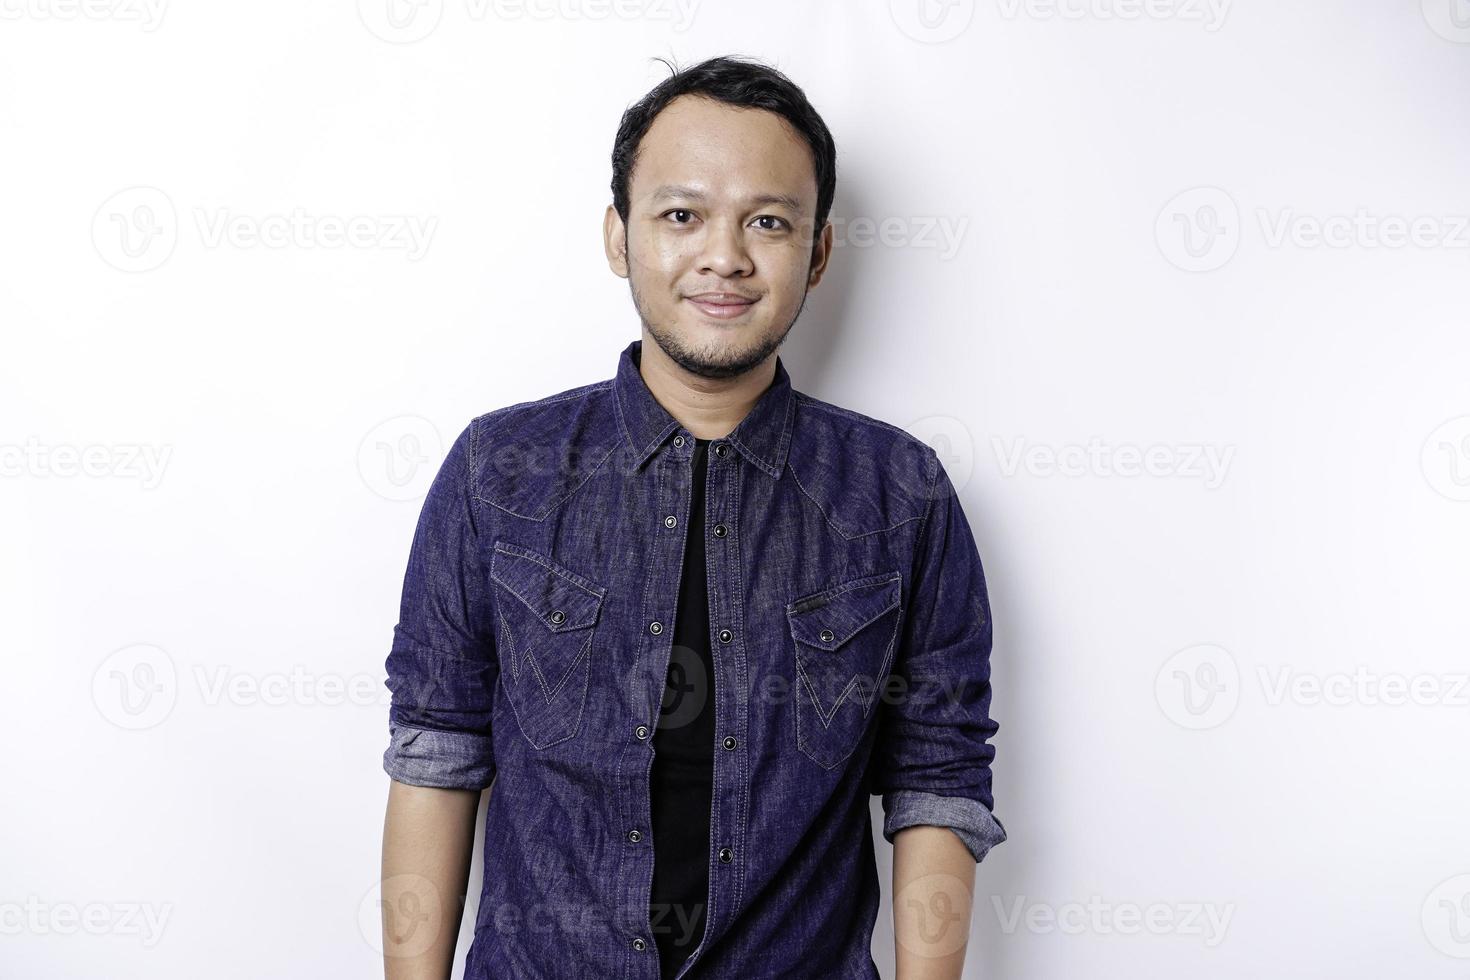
(641,731)
(655,628)
(721,530)
(635,835)
(679,441)
(639,944)
(670,521)
(726,855)
(558,617)
(721,450)
(725,636)
(827,636)
(729,742)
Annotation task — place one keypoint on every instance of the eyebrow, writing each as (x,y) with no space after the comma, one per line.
(760,200)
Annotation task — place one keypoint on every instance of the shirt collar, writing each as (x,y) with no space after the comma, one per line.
(763,436)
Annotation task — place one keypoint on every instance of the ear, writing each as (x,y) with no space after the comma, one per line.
(820,255)
(615,242)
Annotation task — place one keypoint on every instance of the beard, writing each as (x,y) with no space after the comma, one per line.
(706,363)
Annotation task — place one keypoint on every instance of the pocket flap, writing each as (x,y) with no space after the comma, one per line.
(830,618)
(561,599)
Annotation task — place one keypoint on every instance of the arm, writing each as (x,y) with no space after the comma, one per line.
(442,672)
(932,758)
(933,878)
(428,837)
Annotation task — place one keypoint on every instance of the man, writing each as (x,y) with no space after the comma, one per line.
(688,620)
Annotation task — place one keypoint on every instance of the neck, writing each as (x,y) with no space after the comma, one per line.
(710,408)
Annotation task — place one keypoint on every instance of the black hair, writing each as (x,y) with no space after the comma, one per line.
(736,81)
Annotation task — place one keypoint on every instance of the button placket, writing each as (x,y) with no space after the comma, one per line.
(670,507)
(729,671)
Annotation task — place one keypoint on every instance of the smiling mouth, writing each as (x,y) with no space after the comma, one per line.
(721,306)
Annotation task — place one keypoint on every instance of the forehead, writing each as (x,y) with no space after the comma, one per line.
(724,150)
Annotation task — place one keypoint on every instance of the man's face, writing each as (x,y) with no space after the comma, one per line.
(718,244)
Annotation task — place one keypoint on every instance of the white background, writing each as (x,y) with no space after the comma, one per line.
(1232,699)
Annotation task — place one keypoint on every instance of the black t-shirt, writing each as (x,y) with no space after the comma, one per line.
(683,756)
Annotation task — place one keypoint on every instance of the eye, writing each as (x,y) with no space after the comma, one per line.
(780,222)
(679,211)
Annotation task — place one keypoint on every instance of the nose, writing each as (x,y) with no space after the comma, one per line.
(723,252)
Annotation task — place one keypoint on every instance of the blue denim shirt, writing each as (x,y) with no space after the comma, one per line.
(851,638)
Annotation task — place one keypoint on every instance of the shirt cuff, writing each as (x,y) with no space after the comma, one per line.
(970,820)
(443,760)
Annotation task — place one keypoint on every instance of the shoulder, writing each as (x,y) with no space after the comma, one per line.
(865,473)
(526,457)
(552,410)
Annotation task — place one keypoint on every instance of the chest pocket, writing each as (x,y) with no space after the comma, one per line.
(844,639)
(548,618)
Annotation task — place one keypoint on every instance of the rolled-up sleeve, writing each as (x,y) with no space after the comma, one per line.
(932,757)
(442,668)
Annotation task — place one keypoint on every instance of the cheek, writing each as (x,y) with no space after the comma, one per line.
(787,273)
(660,256)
